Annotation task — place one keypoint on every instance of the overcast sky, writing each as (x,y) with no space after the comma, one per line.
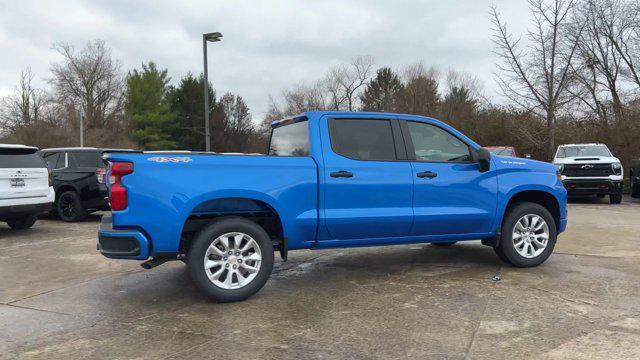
(268,46)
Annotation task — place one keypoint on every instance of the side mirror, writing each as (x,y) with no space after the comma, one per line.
(483,158)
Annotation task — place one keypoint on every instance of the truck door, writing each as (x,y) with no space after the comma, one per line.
(367,185)
(451,196)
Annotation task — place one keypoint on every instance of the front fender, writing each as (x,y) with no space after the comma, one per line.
(512,183)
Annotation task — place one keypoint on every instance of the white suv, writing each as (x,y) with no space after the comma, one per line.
(25,186)
(590,169)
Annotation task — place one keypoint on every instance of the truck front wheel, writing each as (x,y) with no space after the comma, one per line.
(230,259)
(528,235)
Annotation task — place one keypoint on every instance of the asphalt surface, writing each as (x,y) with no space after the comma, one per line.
(59,299)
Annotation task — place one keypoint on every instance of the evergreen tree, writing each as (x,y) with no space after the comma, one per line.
(381,93)
(420,96)
(187,106)
(459,108)
(147,108)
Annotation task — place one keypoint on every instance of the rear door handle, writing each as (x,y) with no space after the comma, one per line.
(341,174)
(427,174)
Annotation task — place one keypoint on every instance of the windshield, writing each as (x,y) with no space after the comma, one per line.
(290,140)
(582,151)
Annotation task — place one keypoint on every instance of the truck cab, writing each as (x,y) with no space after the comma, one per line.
(590,169)
(329,179)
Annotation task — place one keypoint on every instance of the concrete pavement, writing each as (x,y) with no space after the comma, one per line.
(60,299)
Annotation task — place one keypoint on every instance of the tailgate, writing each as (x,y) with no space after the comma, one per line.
(19,183)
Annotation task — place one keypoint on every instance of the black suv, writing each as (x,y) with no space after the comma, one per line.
(78,180)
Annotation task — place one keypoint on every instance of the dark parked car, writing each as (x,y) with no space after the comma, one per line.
(78,180)
(634,178)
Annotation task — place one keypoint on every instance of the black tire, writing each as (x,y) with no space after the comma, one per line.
(22,223)
(615,198)
(205,237)
(635,187)
(69,207)
(506,250)
(448,243)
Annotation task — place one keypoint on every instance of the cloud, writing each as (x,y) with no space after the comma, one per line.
(268,46)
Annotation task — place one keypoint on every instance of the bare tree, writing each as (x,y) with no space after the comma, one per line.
(462,80)
(236,112)
(89,79)
(344,82)
(537,77)
(620,24)
(601,63)
(26,106)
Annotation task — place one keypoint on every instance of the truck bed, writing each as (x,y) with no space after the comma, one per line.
(166,189)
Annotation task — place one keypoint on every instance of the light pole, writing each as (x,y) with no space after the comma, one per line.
(81,127)
(213,37)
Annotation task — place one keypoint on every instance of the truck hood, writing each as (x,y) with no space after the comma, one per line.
(586,160)
(508,162)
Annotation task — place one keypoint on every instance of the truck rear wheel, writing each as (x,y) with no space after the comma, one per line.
(528,235)
(23,222)
(69,207)
(230,259)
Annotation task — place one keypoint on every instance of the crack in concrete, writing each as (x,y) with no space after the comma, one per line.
(595,256)
(35,309)
(562,297)
(74,285)
(480,319)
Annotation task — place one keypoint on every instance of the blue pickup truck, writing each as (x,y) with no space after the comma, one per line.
(329,180)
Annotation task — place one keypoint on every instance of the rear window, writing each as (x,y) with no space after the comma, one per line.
(290,140)
(10,158)
(86,159)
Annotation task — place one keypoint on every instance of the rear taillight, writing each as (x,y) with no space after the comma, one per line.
(100,174)
(50,176)
(117,191)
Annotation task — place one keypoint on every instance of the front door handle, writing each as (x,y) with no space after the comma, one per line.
(427,174)
(341,174)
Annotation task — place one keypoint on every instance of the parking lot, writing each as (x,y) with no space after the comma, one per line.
(60,299)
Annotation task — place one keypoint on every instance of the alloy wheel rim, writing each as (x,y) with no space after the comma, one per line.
(530,236)
(67,206)
(232,260)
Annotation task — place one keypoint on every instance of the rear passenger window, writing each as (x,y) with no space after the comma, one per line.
(86,159)
(363,139)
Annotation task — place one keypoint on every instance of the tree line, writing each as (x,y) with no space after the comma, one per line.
(574,76)
(139,109)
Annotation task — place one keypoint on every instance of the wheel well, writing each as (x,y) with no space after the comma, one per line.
(255,210)
(541,198)
(62,189)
